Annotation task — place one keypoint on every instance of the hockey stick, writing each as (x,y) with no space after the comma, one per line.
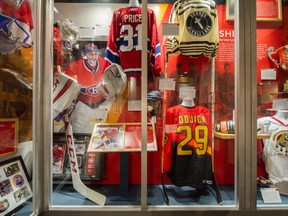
(216,188)
(77,183)
(165,197)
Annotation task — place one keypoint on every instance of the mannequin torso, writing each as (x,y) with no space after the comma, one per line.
(282,115)
(133,3)
(188,102)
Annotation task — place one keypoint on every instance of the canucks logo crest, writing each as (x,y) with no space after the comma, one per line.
(280,142)
(199,23)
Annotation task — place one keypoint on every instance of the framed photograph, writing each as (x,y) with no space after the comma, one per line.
(121,137)
(80,149)
(15,187)
(107,136)
(266,10)
(8,136)
(90,164)
(58,158)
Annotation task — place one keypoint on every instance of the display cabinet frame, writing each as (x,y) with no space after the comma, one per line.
(245,151)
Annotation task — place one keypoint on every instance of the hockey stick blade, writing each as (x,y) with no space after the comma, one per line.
(77,183)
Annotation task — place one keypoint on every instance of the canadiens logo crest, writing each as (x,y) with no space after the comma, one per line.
(90,90)
(280,142)
(199,23)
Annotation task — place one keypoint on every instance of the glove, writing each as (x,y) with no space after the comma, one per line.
(114,82)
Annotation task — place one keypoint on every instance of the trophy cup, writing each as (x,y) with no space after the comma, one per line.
(69,33)
(279,57)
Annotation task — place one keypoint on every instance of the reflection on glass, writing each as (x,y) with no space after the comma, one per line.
(272,172)
(197,166)
(16,75)
(103,66)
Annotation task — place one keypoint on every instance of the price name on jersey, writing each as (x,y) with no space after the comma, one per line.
(199,23)
(133,18)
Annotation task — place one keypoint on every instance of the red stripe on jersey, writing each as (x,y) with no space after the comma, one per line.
(282,123)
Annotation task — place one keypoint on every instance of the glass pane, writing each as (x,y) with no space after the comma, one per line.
(272,171)
(97,52)
(195,157)
(16,76)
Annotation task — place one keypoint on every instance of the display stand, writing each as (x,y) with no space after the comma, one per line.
(232,136)
(123,192)
(127,142)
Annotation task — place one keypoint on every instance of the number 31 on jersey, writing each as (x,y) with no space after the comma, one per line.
(130,40)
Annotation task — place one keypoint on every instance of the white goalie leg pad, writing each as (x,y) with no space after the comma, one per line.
(78,185)
(80,117)
(66,89)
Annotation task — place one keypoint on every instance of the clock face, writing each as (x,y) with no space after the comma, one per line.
(199,23)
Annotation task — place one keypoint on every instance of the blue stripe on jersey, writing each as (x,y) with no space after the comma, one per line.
(4,21)
(121,42)
(111,57)
(157,50)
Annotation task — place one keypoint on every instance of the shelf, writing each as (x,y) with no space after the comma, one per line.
(232,136)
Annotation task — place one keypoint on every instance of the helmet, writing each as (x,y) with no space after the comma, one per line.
(91,48)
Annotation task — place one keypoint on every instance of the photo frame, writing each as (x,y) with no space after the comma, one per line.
(121,137)
(90,164)
(15,189)
(274,7)
(8,135)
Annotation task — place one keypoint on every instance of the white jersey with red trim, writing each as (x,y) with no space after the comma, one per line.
(15,25)
(124,42)
(275,152)
(198,28)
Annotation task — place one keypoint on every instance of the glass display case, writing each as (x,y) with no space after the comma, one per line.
(16,88)
(272,104)
(144,107)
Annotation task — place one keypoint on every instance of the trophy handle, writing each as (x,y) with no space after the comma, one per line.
(270,52)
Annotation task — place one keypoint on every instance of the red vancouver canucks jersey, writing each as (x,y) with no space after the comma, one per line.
(15,25)
(188,152)
(88,79)
(124,42)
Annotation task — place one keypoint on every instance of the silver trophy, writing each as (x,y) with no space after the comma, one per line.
(270,52)
(69,33)
(279,57)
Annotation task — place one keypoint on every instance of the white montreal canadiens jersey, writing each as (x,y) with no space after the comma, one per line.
(15,25)
(124,42)
(275,151)
(198,28)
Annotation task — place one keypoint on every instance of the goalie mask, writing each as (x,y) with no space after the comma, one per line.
(91,53)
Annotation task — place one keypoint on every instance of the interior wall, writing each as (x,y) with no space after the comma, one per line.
(89,14)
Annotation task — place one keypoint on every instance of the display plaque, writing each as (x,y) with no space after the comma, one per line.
(267,10)
(8,136)
(121,137)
